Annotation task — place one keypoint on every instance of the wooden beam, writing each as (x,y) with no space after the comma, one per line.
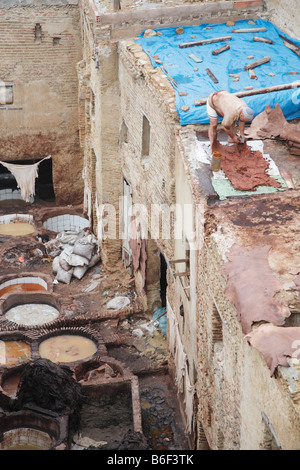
(264,40)
(204,42)
(258,91)
(214,79)
(182,274)
(289,41)
(178,261)
(262,61)
(249,30)
(221,49)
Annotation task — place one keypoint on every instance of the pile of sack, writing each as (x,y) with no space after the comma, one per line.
(75,253)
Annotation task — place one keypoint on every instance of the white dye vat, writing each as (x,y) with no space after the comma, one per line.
(66,222)
(32,314)
(67,348)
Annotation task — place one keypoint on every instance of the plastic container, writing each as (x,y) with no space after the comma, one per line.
(216,161)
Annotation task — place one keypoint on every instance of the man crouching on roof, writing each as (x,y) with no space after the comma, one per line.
(231,109)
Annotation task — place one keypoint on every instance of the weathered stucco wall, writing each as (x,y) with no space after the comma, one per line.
(40,46)
(285,14)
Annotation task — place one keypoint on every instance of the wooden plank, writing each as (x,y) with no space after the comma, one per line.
(258,91)
(204,42)
(182,274)
(262,61)
(264,40)
(195,58)
(249,30)
(221,49)
(178,261)
(214,79)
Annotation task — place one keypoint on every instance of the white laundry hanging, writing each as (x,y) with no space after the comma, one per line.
(25,176)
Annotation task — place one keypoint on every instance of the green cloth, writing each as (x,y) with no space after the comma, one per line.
(224,188)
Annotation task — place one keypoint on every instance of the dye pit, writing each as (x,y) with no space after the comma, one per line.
(106,418)
(32,314)
(14,352)
(21,287)
(67,348)
(16,229)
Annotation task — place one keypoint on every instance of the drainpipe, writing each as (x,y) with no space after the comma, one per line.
(117,4)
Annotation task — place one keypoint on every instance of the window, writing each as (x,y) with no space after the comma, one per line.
(124,133)
(92,104)
(56,40)
(6,93)
(217,327)
(38,33)
(146,137)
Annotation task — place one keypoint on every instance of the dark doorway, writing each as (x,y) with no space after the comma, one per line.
(163,281)
(43,184)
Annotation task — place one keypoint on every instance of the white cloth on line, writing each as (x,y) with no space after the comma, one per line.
(189,391)
(25,176)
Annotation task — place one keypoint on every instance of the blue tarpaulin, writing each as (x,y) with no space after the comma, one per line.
(162,321)
(197,84)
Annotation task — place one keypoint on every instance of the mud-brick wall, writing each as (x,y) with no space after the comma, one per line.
(239,402)
(40,45)
(148,114)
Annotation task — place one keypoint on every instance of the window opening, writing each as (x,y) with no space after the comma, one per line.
(146,137)
(38,33)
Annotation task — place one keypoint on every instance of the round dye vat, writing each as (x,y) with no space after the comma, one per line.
(15,203)
(32,314)
(14,352)
(10,385)
(67,348)
(16,229)
(26,438)
(24,447)
(21,287)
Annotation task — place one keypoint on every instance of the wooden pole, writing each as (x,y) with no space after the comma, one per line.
(289,41)
(265,60)
(258,91)
(267,41)
(221,49)
(297,52)
(204,42)
(214,79)
(250,30)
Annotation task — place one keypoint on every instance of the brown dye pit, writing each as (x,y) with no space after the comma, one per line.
(244,167)
(13,352)
(10,385)
(24,447)
(22,287)
(16,229)
(16,203)
(67,348)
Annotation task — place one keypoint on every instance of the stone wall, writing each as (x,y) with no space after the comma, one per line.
(129,22)
(40,45)
(147,152)
(235,391)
